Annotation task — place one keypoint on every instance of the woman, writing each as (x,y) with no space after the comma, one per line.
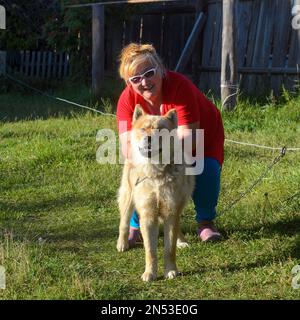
(158,90)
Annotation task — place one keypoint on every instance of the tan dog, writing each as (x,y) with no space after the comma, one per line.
(157,191)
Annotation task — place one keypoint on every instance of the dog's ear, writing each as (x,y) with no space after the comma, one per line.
(172,116)
(138,112)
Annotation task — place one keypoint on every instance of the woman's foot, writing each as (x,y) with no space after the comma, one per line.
(135,237)
(208,232)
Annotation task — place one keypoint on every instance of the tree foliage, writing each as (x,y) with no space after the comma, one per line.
(50,25)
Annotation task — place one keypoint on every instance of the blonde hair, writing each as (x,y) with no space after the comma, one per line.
(134,54)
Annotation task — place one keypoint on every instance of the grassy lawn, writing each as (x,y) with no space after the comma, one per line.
(59,218)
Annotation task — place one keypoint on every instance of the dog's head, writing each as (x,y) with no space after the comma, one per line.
(146,131)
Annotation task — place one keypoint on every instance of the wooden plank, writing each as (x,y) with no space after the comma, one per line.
(255,8)
(256,70)
(2,63)
(243,25)
(54,66)
(172,44)
(38,64)
(32,64)
(108,43)
(22,61)
(133,29)
(207,49)
(117,43)
(66,64)
(60,65)
(2,17)
(27,62)
(44,64)
(294,56)
(97,50)
(117,2)
(152,31)
(196,56)
(175,8)
(190,44)
(282,29)
(214,79)
(262,49)
(208,37)
(49,64)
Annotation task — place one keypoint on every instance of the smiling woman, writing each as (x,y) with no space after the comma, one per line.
(142,68)
(157,91)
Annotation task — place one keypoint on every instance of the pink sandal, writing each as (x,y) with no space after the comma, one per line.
(208,233)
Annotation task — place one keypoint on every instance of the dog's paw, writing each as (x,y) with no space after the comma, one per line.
(122,245)
(148,276)
(181,244)
(171,274)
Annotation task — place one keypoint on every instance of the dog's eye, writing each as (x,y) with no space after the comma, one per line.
(143,130)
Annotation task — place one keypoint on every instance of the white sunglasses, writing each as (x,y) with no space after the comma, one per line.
(148,74)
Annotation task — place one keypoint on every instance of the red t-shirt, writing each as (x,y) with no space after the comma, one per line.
(191,105)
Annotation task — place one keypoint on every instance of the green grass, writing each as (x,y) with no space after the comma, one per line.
(59,216)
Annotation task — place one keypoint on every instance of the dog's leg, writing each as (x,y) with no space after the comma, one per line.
(181,241)
(171,229)
(126,208)
(149,229)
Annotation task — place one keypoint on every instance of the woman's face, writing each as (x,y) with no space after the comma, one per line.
(147,81)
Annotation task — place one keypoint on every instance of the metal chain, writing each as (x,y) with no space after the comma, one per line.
(284,202)
(256,182)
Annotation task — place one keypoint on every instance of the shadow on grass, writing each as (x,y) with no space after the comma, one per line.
(26,219)
(231,268)
(288,227)
(27,208)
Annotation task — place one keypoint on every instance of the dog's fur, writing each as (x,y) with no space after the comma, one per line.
(157,191)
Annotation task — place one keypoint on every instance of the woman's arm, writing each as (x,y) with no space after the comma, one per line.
(188,133)
(125,144)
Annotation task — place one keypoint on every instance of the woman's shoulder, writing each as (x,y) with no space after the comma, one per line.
(126,98)
(126,93)
(176,79)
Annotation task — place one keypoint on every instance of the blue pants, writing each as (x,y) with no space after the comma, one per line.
(205,195)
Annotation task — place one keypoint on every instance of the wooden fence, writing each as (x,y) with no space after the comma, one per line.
(268,47)
(167,27)
(38,64)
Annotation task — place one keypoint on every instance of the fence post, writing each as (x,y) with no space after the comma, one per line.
(229,76)
(98,49)
(2,53)
(2,18)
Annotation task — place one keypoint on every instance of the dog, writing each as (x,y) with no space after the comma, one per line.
(158,191)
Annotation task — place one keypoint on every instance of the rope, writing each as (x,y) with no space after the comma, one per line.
(112,2)
(241,196)
(113,115)
(56,98)
(260,146)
